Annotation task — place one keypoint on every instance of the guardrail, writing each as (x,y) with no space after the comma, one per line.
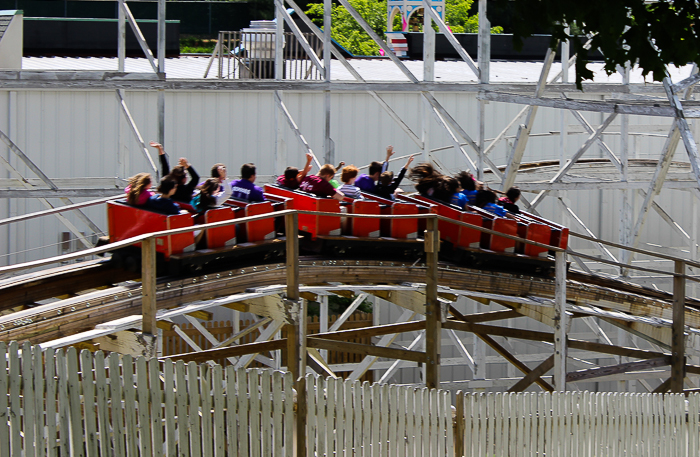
(433,311)
(251,55)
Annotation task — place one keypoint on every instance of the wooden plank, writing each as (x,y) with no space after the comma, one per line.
(560,322)
(433,311)
(30,418)
(377,330)
(148,286)
(277,413)
(385,414)
(364,349)
(206,411)
(549,337)
(266,412)
(678,329)
(513,360)
(4,390)
(231,412)
(15,412)
(393,421)
(615,369)
(144,400)
(243,410)
(663,387)
(101,387)
(88,388)
(169,402)
(194,419)
(183,441)
(51,391)
(64,441)
(366,437)
(235,351)
(292,260)
(219,409)
(533,375)
(156,403)
(311,417)
(459,428)
(201,314)
(137,344)
(77,445)
(130,417)
(288,415)
(115,394)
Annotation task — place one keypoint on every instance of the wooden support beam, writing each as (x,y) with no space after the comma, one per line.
(489,316)
(376,330)
(678,329)
(165,325)
(202,315)
(517,363)
(148,286)
(308,296)
(663,387)
(316,362)
(366,349)
(549,337)
(560,322)
(582,375)
(534,375)
(433,312)
(233,351)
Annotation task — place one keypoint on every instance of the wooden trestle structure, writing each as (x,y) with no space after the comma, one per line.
(125,318)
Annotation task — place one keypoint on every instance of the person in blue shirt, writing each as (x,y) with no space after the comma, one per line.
(244,189)
(468,183)
(486,199)
(163,203)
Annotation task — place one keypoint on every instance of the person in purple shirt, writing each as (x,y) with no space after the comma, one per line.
(244,189)
(368,182)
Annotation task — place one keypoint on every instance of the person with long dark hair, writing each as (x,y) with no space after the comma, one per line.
(178,174)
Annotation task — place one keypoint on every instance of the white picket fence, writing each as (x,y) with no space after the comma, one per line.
(70,404)
(578,424)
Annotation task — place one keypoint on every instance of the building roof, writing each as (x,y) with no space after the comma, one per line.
(375,69)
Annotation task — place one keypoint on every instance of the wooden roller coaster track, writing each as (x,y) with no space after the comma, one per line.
(105,301)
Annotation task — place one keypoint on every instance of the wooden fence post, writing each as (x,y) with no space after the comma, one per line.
(433,315)
(296,334)
(459,425)
(148,286)
(677,329)
(560,321)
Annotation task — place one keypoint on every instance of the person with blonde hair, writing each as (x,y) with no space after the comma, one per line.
(319,184)
(138,191)
(348,177)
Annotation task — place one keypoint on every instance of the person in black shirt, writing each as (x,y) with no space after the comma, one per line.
(387,184)
(163,203)
(178,174)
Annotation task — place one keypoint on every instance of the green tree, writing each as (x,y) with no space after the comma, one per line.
(650,34)
(350,35)
(347,32)
(458,18)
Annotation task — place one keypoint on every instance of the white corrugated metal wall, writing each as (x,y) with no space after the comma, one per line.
(77,134)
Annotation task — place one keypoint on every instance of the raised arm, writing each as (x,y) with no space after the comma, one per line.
(194,176)
(307,168)
(389,153)
(164,166)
